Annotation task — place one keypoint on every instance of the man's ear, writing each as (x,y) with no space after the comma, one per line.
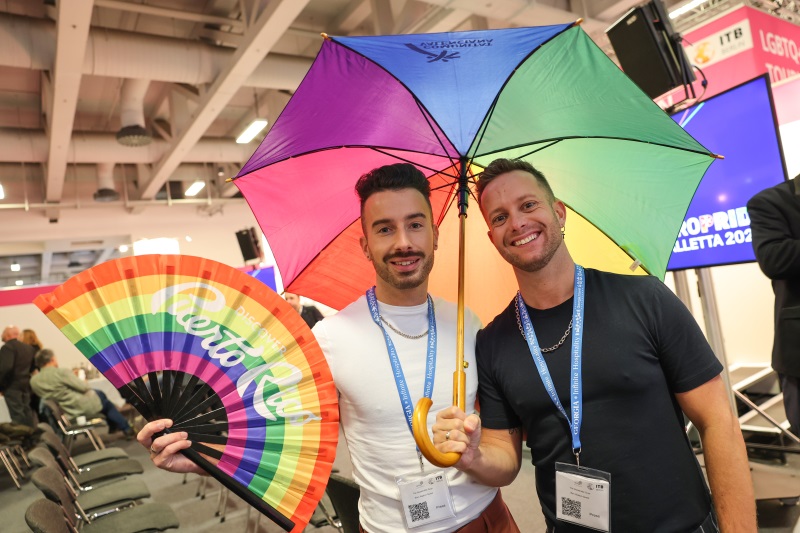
(435,237)
(364,247)
(561,211)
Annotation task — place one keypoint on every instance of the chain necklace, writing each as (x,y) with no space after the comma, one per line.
(406,335)
(544,350)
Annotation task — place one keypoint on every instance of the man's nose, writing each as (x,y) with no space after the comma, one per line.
(403,240)
(517,220)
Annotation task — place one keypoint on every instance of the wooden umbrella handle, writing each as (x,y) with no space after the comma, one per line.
(419,424)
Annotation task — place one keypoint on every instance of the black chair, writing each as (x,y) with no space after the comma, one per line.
(344,494)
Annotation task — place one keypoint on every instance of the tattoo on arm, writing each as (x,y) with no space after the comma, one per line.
(513,431)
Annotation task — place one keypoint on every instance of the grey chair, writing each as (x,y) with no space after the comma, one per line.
(11,465)
(93,472)
(44,516)
(92,498)
(84,459)
(71,429)
(146,517)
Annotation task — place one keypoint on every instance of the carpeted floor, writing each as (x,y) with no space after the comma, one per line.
(197,514)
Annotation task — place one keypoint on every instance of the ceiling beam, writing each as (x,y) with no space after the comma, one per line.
(351,17)
(72,32)
(170,13)
(258,41)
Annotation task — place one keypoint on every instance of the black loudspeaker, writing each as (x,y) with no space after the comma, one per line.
(248,243)
(644,44)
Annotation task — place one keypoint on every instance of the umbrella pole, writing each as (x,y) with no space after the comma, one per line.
(419,421)
(459,376)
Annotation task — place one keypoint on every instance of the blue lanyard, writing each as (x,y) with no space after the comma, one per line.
(397,370)
(575,389)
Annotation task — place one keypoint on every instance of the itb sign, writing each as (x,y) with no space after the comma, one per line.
(737,46)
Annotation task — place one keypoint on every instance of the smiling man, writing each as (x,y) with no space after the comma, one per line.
(386,350)
(598,369)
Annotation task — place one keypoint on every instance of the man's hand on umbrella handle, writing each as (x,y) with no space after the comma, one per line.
(419,424)
(457,432)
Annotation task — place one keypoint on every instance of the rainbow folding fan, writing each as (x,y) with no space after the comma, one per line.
(223,356)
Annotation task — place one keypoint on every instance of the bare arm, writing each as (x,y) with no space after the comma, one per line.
(491,456)
(708,408)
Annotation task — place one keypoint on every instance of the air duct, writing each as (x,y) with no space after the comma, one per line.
(133,132)
(105,183)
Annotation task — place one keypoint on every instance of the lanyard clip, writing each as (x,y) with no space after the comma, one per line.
(577,452)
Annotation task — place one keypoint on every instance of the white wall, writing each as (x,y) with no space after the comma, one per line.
(212,237)
(744,304)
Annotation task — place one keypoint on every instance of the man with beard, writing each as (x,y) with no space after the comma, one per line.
(598,369)
(385,350)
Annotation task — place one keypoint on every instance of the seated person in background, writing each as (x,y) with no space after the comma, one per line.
(73,394)
(310,314)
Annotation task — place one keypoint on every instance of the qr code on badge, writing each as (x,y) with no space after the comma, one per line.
(571,508)
(419,511)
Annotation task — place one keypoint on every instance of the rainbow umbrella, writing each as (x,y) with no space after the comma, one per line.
(450,103)
(223,356)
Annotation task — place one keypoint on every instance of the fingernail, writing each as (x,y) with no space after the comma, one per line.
(184,435)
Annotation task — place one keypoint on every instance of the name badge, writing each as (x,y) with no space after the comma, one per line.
(425,497)
(582,496)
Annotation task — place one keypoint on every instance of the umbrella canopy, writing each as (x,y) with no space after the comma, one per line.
(452,101)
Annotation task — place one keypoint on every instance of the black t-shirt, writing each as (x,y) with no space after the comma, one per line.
(640,346)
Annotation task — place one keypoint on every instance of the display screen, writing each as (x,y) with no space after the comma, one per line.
(740,125)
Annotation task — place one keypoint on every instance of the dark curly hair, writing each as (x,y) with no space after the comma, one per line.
(392,178)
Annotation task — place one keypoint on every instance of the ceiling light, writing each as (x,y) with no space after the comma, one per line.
(162,245)
(123,248)
(18,283)
(15,267)
(195,188)
(251,131)
(188,239)
(2,192)
(686,8)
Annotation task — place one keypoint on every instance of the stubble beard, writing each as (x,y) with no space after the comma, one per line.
(404,282)
(554,240)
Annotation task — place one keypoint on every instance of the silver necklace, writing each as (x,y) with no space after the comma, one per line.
(406,335)
(544,350)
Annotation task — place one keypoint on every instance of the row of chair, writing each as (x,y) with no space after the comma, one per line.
(93,491)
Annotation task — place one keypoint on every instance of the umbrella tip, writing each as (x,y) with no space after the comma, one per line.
(325,36)
(718,156)
(228,180)
(579,21)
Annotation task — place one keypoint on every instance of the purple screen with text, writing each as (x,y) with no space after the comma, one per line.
(740,125)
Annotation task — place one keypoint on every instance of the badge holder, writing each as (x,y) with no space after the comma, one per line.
(583,496)
(426,498)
